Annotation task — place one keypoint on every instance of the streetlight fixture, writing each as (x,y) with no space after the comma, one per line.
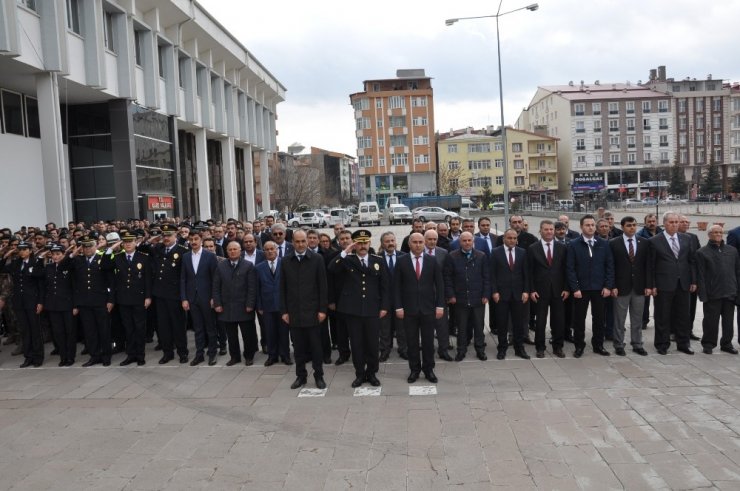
(497,15)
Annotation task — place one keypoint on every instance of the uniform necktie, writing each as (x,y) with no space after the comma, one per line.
(280,251)
(272,267)
(631,251)
(128,258)
(549,254)
(511,260)
(390,263)
(674,246)
(418,267)
(364,264)
(23,266)
(299,256)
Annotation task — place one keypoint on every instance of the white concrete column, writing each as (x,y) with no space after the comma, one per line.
(204,185)
(57,189)
(265,180)
(231,205)
(249,177)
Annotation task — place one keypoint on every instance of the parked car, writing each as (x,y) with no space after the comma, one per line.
(672,201)
(649,201)
(397,213)
(434,213)
(308,218)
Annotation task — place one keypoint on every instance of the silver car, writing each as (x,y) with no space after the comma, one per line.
(434,213)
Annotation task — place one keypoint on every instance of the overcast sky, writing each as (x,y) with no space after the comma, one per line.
(322,51)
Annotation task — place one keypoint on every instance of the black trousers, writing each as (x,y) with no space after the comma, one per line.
(391,326)
(217,335)
(420,324)
(118,332)
(672,309)
(609,318)
(30,329)
(471,316)
(646,311)
(171,327)
(64,329)
(133,319)
(364,334)
(714,310)
(307,346)
(442,330)
(580,308)
(96,324)
(511,309)
(553,304)
(567,318)
(263,335)
(249,334)
(342,335)
(203,328)
(278,336)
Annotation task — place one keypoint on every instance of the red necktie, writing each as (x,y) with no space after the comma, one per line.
(418,268)
(511,261)
(549,255)
(631,251)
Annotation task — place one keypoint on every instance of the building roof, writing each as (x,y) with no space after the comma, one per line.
(601,91)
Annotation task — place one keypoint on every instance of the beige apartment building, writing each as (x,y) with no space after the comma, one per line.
(394,126)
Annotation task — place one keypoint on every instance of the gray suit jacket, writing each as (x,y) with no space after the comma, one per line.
(235,289)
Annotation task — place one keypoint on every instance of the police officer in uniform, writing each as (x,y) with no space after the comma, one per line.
(132,292)
(93,301)
(27,273)
(58,302)
(363,300)
(166,255)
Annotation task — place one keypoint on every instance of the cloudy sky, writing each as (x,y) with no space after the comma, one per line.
(322,51)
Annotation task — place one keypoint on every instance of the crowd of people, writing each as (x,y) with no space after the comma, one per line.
(115,285)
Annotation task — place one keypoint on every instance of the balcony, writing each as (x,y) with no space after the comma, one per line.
(631,162)
(665,161)
(631,145)
(646,127)
(613,129)
(663,144)
(630,128)
(580,130)
(647,145)
(618,162)
(612,112)
(663,110)
(648,162)
(597,147)
(597,130)
(663,127)
(630,111)
(581,147)
(598,164)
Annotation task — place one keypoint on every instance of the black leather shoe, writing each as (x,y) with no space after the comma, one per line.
(232,362)
(222,352)
(26,363)
(211,360)
(501,355)
(269,362)
(521,354)
(357,382)
(481,355)
(91,362)
(140,362)
(444,355)
(183,358)
(320,384)
(559,353)
(157,347)
(431,377)
(37,364)
(299,382)
(341,360)
(686,350)
(106,363)
(54,352)
(694,337)
(197,360)
(728,349)
(62,363)
(373,380)
(707,351)
(662,351)
(459,356)
(248,362)
(129,360)
(640,351)
(602,352)
(620,352)
(413,377)
(166,359)
(540,354)
(288,361)
(578,353)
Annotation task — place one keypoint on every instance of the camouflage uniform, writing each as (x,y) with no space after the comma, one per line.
(8,318)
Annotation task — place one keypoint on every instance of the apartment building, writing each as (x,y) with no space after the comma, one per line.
(118,109)
(394,126)
(616,139)
(472,160)
(734,140)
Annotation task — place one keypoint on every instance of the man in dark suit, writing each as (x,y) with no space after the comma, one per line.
(546,263)
(590,271)
(338,328)
(631,263)
(442,329)
(733,239)
(250,251)
(683,226)
(417,227)
(484,232)
(196,284)
(468,287)
(510,291)
(166,256)
(672,279)
(131,276)
(278,234)
(419,300)
(28,298)
(391,324)
(268,305)
(364,300)
(303,304)
(58,303)
(234,299)
(479,243)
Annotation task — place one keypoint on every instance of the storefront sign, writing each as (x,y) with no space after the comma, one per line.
(160,203)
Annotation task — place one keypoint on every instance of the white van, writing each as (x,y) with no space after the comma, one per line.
(368,213)
(467,206)
(340,215)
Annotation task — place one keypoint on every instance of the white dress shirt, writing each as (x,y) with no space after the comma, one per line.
(196,259)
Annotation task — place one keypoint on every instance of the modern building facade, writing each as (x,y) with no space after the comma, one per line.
(121,109)
(734,156)
(701,109)
(394,125)
(474,160)
(616,140)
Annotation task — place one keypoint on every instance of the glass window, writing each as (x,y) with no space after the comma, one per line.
(73,16)
(139,47)
(32,118)
(108,32)
(12,113)
(161,54)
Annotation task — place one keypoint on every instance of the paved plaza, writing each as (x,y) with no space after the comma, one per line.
(655,422)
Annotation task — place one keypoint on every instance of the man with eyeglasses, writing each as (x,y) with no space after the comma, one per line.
(278,236)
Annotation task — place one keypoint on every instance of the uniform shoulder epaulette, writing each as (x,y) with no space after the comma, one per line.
(377,255)
(143,253)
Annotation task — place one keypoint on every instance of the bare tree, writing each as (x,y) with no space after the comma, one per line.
(299,185)
(449,180)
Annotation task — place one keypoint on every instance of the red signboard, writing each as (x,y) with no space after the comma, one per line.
(160,202)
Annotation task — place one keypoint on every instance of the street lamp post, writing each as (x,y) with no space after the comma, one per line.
(497,15)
